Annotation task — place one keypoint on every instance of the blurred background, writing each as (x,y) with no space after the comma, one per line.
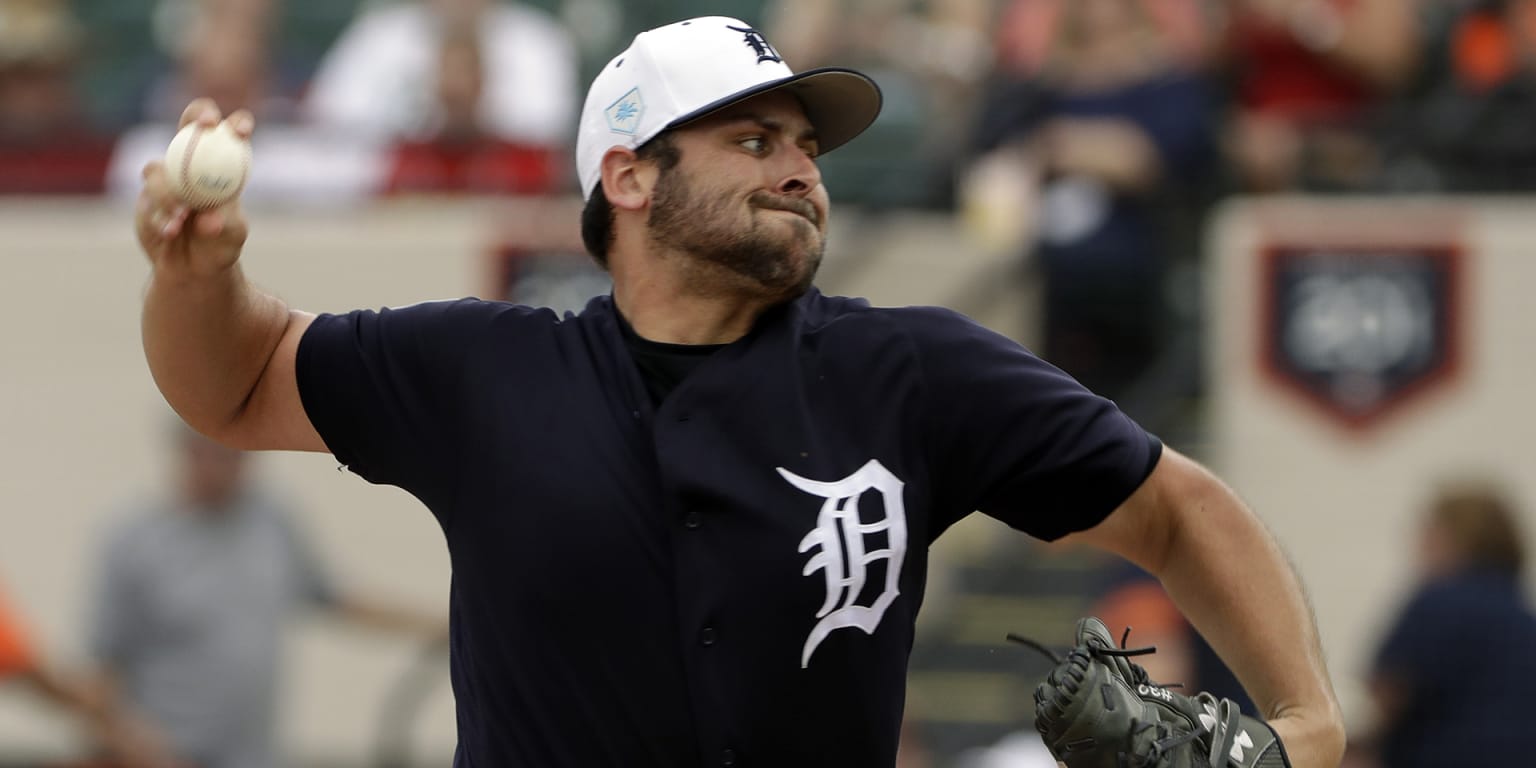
(1289,236)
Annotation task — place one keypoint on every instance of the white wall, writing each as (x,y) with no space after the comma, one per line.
(1346,502)
(83,428)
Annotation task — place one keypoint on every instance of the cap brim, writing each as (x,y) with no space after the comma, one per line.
(840,103)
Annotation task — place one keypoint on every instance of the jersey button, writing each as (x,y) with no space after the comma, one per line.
(692,521)
(707,636)
(728,758)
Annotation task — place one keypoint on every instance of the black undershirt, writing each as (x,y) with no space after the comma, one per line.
(663,366)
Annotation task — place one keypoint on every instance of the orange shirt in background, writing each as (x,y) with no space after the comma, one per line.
(15,654)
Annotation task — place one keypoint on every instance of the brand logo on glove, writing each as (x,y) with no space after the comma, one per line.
(1154,691)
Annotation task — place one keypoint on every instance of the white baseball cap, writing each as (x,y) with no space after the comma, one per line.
(681,72)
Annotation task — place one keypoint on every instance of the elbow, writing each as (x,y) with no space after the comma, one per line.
(1333,738)
(1185,493)
(220,426)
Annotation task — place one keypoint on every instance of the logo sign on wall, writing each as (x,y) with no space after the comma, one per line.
(1359,331)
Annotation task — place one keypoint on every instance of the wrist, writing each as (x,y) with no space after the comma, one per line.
(1310,742)
(186,275)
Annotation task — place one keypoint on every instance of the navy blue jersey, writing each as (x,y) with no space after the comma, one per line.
(730,577)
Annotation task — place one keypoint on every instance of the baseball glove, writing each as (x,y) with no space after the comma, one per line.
(1097,709)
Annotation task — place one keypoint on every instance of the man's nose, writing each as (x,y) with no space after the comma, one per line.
(801,174)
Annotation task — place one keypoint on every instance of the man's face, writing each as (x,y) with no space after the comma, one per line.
(745,200)
(211,473)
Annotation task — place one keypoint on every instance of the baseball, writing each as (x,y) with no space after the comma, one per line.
(207,167)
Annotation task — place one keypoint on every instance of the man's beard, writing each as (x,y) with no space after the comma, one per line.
(692,221)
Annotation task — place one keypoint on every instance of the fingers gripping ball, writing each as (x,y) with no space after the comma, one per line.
(207,167)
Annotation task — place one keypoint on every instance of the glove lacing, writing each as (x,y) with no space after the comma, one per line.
(1166,738)
(1139,675)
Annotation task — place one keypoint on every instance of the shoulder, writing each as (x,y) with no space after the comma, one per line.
(936,336)
(463,318)
(941,333)
(467,307)
(820,311)
(434,339)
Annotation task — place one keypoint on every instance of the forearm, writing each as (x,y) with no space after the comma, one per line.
(208,339)
(388,616)
(67,693)
(1115,151)
(1229,576)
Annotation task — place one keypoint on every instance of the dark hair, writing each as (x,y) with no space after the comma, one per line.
(1482,526)
(597,214)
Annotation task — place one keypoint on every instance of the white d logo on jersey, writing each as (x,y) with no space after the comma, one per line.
(839,541)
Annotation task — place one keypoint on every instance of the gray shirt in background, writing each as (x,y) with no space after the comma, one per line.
(189,614)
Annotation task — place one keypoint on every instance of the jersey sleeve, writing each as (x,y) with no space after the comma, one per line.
(380,388)
(1018,439)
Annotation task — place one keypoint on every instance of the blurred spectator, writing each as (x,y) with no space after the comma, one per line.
(1112,134)
(45,146)
(223,50)
(475,96)
(928,56)
(192,597)
(38,47)
(457,152)
(110,730)
(942,42)
(446,68)
(1470,123)
(1453,674)
(435,96)
(1027,31)
(1308,78)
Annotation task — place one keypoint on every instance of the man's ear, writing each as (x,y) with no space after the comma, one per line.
(627,180)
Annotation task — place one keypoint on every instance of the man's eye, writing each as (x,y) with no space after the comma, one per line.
(754,144)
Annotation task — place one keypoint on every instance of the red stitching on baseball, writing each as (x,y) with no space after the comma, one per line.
(186,162)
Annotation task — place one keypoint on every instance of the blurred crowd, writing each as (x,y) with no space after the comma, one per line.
(480,95)
(1089,137)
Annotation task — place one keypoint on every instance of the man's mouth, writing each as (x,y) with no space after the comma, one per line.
(791,205)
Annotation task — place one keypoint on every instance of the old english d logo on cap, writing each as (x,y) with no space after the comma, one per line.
(758,44)
(672,75)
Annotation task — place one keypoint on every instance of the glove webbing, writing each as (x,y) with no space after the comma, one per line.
(1167,739)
